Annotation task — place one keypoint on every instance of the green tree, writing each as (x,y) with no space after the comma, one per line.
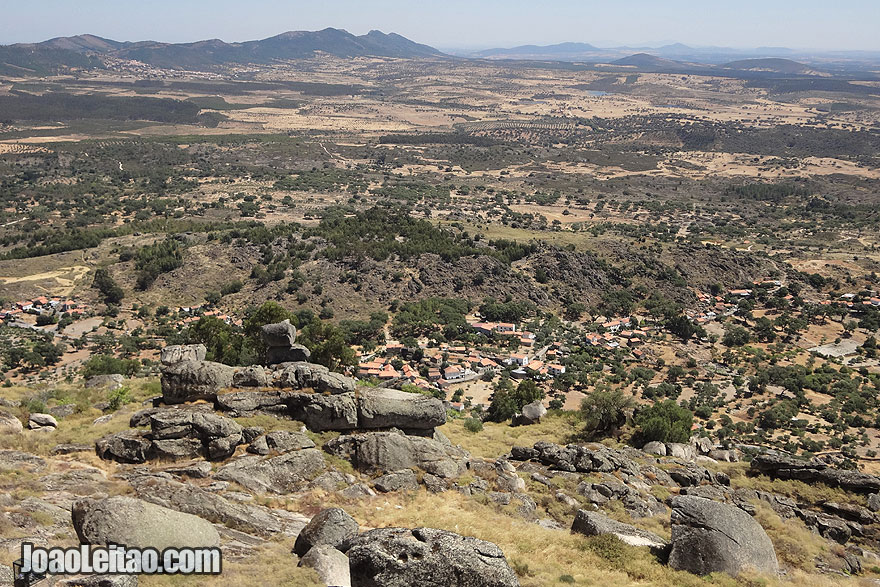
(735,336)
(665,422)
(606,410)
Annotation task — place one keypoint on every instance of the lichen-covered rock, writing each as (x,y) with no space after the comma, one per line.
(392,451)
(330,565)
(709,537)
(193,380)
(171,355)
(400,557)
(331,527)
(283,474)
(9,424)
(594,524)
(390,408)
(301,375)
(138,524)
(129,446)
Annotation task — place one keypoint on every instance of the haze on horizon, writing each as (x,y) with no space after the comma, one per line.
(459,24)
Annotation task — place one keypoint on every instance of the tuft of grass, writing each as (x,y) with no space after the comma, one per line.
(796,545)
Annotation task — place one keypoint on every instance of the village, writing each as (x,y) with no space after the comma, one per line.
(465,373)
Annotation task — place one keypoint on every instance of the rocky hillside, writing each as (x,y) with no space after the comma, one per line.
(366,488)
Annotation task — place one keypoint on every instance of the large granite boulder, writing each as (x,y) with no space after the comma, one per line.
(280,334)
(280,346)
(324,412)
(171,355)
(193,380)
(400,557)
(709,537)
(138,524)
(243,404)
(655,448)
(330,527)
(595,524)
(9,424)
(390,408)
(392,451)
(580,458)
(330,564)
(38,421)
(191,499)
(129,446)
(531,414)
(405,480)
(283,474)
(293,354)
(301,375)
(253,376)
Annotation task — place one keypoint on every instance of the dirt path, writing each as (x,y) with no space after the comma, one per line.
(66,278)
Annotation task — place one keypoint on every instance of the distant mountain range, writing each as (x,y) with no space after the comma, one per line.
(89,51)
(691,56)
(86,51)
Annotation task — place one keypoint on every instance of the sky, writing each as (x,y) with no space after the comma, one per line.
(462,24)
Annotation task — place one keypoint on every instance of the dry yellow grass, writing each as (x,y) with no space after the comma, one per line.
(497,439)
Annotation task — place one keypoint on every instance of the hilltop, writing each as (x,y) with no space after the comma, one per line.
(84,51)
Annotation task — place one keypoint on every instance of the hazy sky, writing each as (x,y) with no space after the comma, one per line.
(823,24)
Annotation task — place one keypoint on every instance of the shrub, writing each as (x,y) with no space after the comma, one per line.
(118,398)
(473,425)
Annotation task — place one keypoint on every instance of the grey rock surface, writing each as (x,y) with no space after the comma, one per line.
(137,523)
(400,557)
(709,537)
(329,527)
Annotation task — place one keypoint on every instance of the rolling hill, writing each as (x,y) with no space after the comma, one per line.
(84,51)
(772,64)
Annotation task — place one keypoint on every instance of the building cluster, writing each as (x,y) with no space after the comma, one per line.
(43,305)
(188,315)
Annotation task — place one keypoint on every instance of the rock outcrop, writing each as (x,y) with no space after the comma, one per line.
(400,557)
(784,466)
(171,355)
(194,380)
(393,451)
(42,421)
(280,341)
(191,499)
(283,474)
(389,408)
(9,424)
(709,537)
(594,524)
(330,527)
(136,523)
